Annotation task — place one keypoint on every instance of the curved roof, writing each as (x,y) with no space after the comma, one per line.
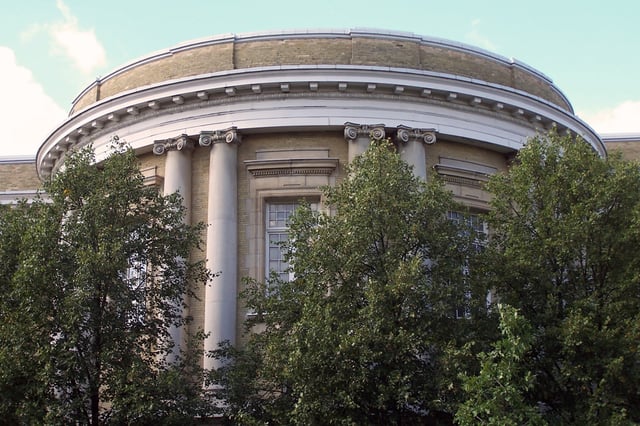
(322,47)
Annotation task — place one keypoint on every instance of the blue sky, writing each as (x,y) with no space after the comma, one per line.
(51,49)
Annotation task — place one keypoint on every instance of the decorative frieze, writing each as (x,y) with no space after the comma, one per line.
(292,167)
(180,143)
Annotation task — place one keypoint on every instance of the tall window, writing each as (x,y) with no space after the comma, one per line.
(479,229)
(277,227)
(474,222)
(278,215)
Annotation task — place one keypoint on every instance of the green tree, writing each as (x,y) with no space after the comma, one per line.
(566,228)
(92,279)
(495,396)
(358,336)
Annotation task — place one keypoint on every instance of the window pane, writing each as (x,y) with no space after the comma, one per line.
(277,220)
(278,214)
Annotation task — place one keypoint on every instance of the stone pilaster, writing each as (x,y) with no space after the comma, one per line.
(411,144)
(222,239)
(359,137)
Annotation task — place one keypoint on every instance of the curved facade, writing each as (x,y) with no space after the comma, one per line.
(244,125)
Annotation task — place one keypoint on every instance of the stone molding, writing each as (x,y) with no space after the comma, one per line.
(427,101)
(292,167)
(465,173)
(180,143)
(151,177)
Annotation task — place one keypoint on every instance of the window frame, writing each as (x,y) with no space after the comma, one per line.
(281,229)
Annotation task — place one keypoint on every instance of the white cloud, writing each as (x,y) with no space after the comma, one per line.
(478,39)
(623,118)
(27,113)
(81,46)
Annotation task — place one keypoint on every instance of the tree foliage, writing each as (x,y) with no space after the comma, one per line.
(496,395)
(359,335)
(566,228)
(92,279)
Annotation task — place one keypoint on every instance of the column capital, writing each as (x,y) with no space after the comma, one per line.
(230,135)
(180,143)
(353,131)
(405,134)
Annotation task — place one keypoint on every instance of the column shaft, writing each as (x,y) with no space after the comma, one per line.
(222,245)
(177,178)
(411,143)
(413,153)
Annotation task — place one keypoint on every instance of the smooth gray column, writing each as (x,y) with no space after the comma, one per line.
(411,143)
(177,178)
(222,240)
(359,137)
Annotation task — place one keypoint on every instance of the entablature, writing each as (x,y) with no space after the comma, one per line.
(313,97)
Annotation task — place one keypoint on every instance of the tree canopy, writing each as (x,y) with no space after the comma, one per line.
(92,279)
(565,232)
(384,319)
(365,332)
(359,334)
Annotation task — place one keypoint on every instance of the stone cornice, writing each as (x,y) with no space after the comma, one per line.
(301,87)
(292,166)
(18,159)
(620,137)
(15,196)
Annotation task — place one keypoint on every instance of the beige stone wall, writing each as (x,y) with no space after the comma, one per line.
(199,200)
(336,50)
(393,53)
(292,52)
(16,176)
(630,149)
(465,191)
(253,191)
(204,60)
(439,59)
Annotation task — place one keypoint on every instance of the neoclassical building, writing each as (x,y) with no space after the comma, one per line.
(244,126)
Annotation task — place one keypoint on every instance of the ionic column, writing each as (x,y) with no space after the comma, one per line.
(359,137)
(177,178)
(411,144)
(222,240)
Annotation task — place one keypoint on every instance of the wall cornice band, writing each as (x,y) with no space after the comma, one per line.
(313,97)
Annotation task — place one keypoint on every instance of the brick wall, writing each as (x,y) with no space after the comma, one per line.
(338,50)
(630,150)
(18,176)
